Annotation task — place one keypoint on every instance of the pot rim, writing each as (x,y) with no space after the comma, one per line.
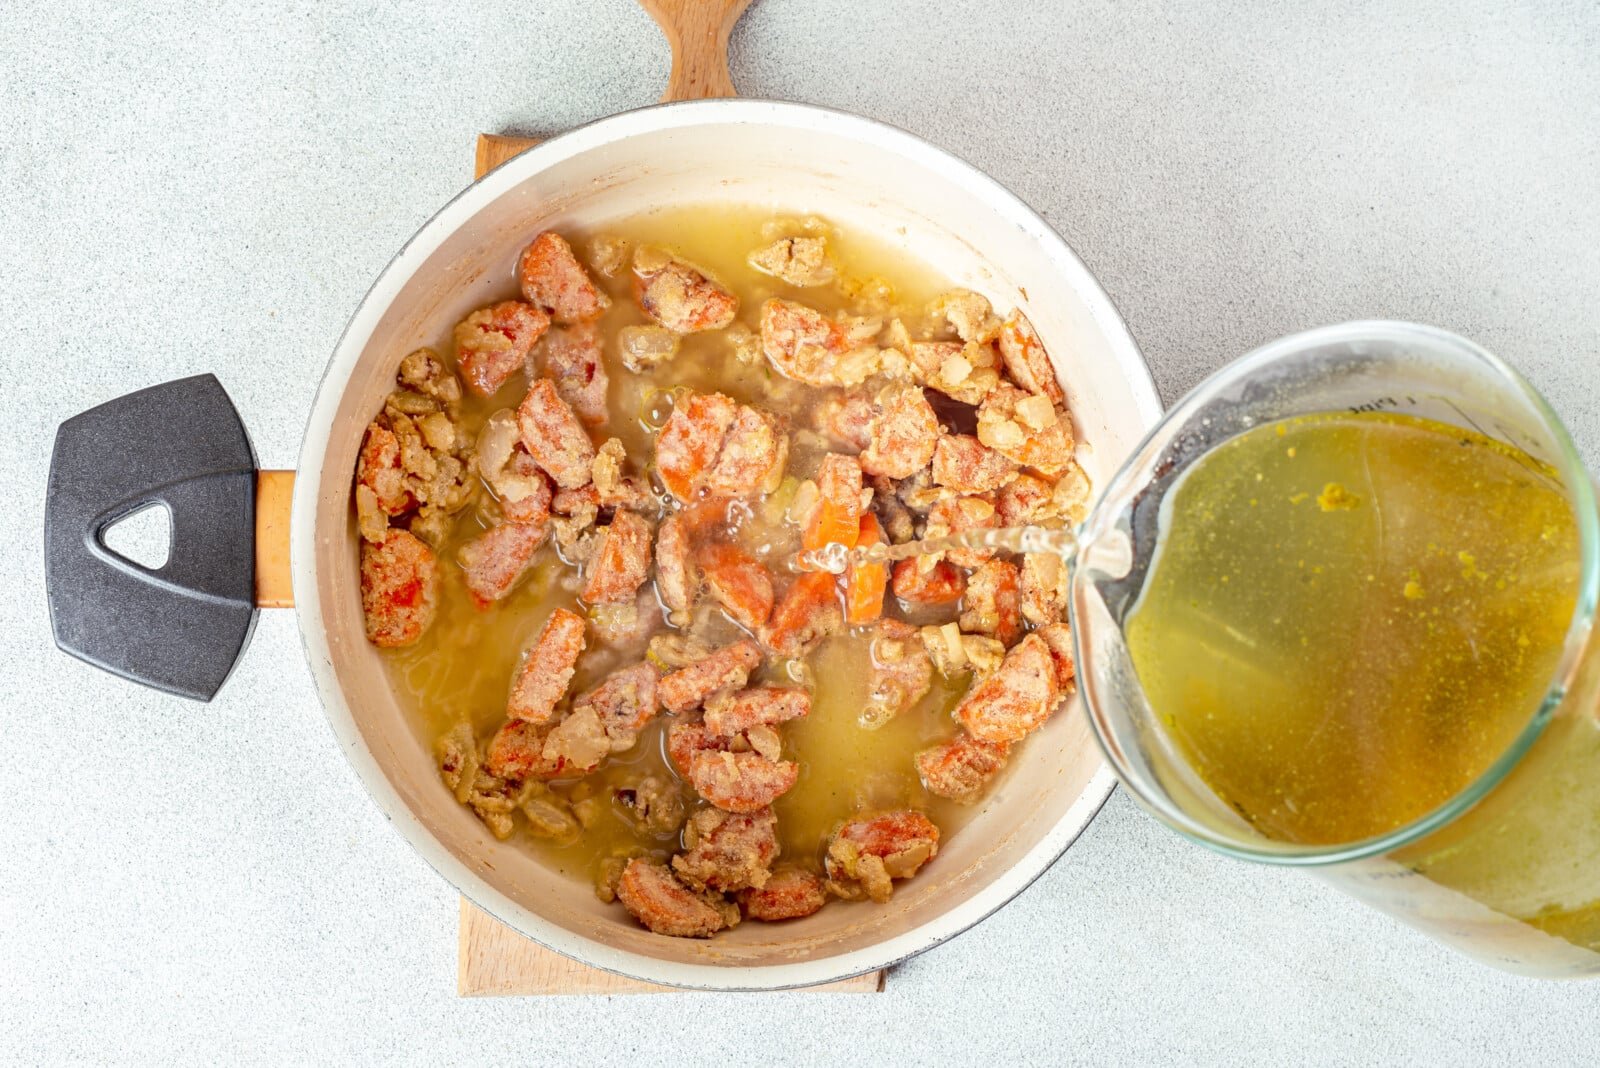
(330,390)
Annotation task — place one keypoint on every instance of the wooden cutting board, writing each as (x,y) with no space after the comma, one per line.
(494,959)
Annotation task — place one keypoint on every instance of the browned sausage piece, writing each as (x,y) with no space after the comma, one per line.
(727,668)
(547,668)
(738,582)
(658,900)
(904,435)
(993,604)
(741,782)
(752,455)
(378,468)
(492,343)
(399,588)
(691,440)
(571,359)
(675,579)
(517,752)
(553,279)
(678,295)
(1017,698)
(727,852)
(685,740)
(1027,428)
(553,436)
(789,894)
(1026,360)
(621,561)
(757,705)
(963,463)
(624,702)
(961,768)
(492,562)
(867,853)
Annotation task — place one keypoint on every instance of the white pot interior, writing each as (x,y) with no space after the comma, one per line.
(864,177)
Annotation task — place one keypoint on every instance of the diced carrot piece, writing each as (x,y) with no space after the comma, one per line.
(866,582)
(738,582)
(806,613)
(837,517)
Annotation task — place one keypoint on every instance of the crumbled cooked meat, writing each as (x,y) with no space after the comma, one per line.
(494,561)
(679,295)
(740,782)
(966,373)
(727,852)
(675,580)
(577,744)
(573,517)
(457,753)
(422,373)
(1058,638)
(1026,360)
(807,612)
(570,357)
(961,768)
(644,347)
(1027,428)
(727,668)
(621,561)
(800,261)
(652,804)
(492,343)
(789,894)
(494,800)
(955,653)
(738,582)
(759,705)
(613,488)
(399,588)
(866,854)
(969,313)
(901,672)
(924,581)
(624,702)
(963,463)
(904,435)
(547,668)
(993,603)
(1046,588)
(658,900)
(1015,700)
(553,279)
(554,436)
(899,526)
(963,515)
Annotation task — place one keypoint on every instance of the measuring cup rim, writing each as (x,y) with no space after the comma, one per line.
(1575,480)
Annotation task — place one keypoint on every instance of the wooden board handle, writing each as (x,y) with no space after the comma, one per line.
(696,30)
(274,492)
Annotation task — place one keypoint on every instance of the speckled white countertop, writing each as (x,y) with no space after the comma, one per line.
(191,186)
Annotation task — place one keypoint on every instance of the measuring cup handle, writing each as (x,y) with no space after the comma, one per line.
(182,626)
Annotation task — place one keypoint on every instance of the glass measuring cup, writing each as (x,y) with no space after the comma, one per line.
(1507,870)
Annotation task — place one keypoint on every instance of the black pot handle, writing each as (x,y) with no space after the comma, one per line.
(180,627)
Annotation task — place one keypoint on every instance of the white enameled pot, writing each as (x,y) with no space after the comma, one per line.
(865,177)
